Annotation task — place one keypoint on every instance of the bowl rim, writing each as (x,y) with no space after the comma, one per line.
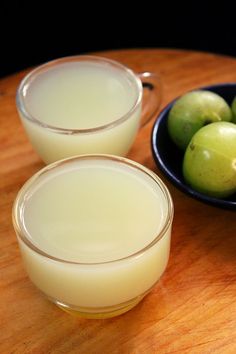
(177,182)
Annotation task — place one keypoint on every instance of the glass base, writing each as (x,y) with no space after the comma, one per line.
(100,313)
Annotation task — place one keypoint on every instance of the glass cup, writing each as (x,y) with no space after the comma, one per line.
(85,105)
(94,233)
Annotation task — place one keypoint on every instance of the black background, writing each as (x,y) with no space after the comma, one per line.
(35,32)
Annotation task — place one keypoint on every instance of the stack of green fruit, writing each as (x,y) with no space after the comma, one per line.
(203,125)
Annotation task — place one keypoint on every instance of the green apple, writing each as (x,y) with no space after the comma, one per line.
(194,110)
(209,164)
(234,109)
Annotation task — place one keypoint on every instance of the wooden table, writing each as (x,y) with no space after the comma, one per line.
(192,309)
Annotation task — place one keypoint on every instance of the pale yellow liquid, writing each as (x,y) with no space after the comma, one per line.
(82,95)
(95,211)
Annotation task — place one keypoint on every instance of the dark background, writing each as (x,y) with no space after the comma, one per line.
(35,32)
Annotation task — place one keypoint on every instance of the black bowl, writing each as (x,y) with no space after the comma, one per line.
(169,158)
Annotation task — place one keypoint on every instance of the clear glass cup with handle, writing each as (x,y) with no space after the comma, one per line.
(85,105)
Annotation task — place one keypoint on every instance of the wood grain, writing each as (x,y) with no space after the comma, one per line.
(192,309)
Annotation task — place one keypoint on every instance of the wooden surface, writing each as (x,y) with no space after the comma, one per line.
(191,310)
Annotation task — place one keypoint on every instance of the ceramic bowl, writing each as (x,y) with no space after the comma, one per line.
(169,158)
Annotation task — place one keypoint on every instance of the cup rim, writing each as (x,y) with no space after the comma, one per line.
(20,200)
(20,99)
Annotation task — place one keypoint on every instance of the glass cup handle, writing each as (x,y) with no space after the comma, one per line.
(152,93)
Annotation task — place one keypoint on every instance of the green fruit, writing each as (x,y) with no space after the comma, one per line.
(209,164)
(194,110)
(234,109)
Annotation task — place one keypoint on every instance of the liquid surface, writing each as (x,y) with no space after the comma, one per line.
(80,95)
(94,212)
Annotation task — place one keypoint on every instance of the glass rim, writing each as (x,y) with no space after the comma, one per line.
(20,99)
(20,200)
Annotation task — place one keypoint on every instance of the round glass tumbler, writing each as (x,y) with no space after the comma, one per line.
(94,233)
(85,105)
